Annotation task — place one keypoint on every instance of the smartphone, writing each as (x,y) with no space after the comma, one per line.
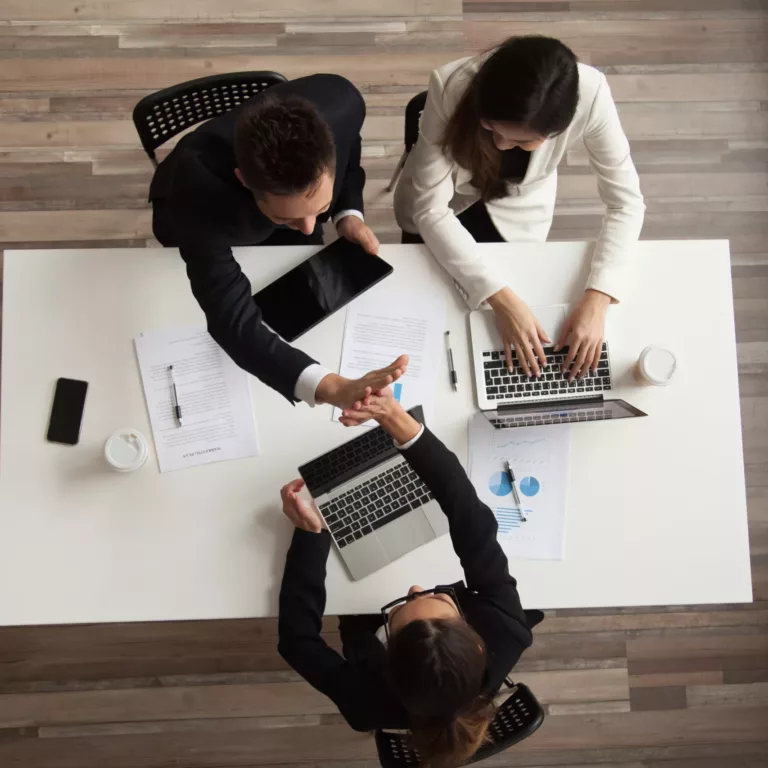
(67,411)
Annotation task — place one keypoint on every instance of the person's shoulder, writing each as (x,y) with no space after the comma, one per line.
(452,80)
(328,85)
(590,82)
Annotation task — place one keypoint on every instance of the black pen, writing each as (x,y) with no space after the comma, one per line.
(176,406)
(452,370)
(515,494)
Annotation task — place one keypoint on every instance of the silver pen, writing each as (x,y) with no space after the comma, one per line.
(515,494)
(451,367)
(175,397)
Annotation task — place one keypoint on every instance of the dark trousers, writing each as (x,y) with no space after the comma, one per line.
(476,220)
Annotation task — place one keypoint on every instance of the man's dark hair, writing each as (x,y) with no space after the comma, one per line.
(283,146)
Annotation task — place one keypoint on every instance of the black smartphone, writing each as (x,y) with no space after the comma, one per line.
(67,411)
(318,287)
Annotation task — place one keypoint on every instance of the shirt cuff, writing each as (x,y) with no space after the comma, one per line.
(412,441)
(308,382)
(349,212)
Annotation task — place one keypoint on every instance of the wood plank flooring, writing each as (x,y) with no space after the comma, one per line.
(643,688)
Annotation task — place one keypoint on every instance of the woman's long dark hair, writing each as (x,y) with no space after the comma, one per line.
(437,670)
(532,82)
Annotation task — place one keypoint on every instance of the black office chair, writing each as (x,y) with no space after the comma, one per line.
(516,719)
(413,112)
(161,115)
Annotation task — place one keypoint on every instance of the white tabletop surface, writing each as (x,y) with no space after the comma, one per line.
(656,506)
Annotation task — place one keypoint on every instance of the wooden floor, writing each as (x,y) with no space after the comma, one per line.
(661,688)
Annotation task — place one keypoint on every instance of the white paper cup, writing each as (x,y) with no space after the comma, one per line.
(655,367)
(126,450)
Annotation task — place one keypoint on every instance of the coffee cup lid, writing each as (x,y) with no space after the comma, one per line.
(658,364)
(126,449)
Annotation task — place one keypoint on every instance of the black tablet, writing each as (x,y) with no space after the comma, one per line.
(325,282)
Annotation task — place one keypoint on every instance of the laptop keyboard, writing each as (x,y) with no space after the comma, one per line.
(375,503)
(537,419)
(346,461)
(501,385)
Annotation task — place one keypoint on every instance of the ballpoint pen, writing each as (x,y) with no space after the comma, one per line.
(515,494)
(175,396)
(451,368)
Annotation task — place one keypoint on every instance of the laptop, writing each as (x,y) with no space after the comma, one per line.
(510,400)
(376,507)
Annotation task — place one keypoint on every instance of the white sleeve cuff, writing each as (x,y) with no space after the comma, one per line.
(308,382)
(412,441)
(349,212)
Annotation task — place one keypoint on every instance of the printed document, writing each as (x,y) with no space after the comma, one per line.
(539,457)
(214,396)
(382,326)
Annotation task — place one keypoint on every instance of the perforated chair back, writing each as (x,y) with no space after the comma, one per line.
(413,111)
(516,719)
(163,114)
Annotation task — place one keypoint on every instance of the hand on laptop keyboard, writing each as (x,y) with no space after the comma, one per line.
(583,334)
(519,326)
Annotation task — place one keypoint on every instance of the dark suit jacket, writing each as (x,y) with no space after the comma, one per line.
(489,601)
(201,207)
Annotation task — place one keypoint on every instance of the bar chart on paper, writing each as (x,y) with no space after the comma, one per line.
(539,459)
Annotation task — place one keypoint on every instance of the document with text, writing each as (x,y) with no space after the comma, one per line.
(213,395)
(380,327)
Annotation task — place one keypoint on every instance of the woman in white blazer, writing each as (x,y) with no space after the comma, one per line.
(484,169)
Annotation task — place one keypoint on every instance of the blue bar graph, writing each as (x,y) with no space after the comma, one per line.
(508,518)
(397,390)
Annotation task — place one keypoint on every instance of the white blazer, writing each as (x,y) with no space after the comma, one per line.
(433,189)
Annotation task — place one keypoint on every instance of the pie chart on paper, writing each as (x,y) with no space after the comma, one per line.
(529,486)
(499,485)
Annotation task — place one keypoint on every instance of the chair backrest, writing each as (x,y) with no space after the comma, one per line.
(161,115)
(516,719)
(413,112)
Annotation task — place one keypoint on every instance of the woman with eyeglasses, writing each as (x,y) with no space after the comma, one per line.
(433,660)
(493,132)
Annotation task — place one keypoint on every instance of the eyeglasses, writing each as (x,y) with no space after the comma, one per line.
(388,609)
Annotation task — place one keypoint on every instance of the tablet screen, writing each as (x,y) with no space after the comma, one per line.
(315,289)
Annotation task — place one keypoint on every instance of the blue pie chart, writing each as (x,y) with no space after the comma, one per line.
(499,485)
(529,486)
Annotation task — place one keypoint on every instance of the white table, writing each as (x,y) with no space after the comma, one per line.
(646,523)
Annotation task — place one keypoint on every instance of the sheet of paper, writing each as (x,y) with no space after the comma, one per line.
(213,393)
(382,326)
(539,457)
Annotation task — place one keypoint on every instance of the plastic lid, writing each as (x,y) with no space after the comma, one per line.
(658,364)
(126,450)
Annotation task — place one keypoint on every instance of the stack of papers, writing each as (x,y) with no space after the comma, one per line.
(539,457)
(213,393)
(380,327)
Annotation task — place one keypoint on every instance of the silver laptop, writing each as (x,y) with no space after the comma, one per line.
(376,507)
(512,399)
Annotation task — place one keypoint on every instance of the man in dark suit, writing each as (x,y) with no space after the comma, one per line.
(268,172)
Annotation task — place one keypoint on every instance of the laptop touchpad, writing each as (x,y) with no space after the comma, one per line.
(405,534)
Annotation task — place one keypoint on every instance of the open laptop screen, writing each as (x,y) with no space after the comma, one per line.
(589,409)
